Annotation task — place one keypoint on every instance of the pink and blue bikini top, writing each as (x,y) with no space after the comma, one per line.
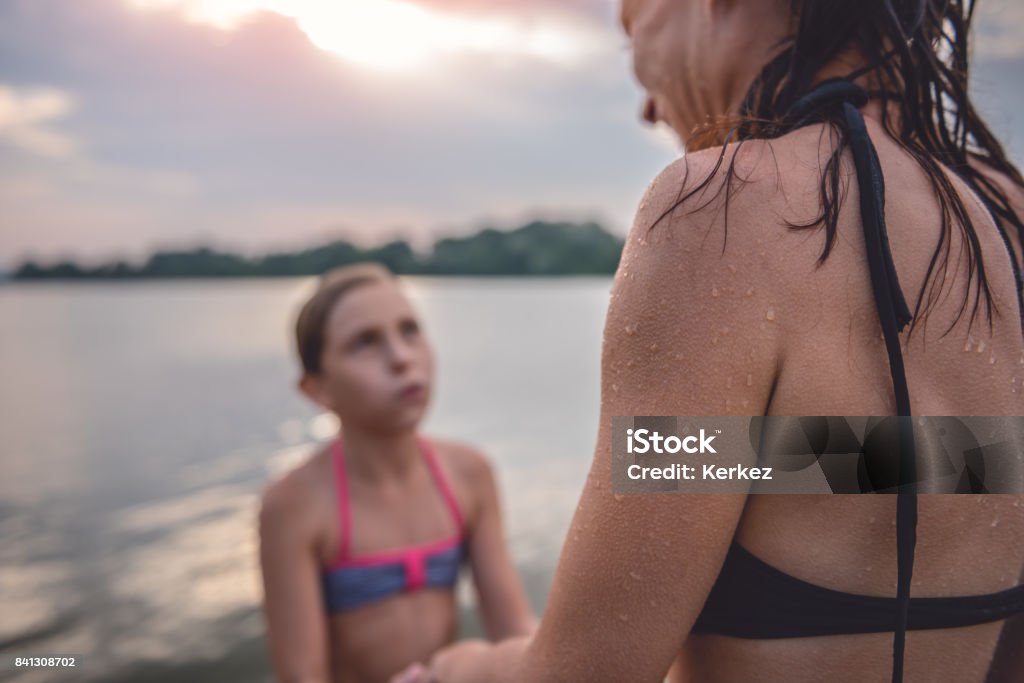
(353,581)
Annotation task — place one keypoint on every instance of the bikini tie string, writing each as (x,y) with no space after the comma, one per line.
(893,313)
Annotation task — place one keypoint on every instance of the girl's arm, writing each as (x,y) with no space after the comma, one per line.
(687,333)
(504,608)
(296,624)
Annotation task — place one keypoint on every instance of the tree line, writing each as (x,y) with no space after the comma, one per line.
(537,248)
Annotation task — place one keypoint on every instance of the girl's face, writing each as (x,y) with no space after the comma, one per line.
(377,367)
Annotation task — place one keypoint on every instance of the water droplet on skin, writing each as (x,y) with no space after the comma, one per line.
(654,347)
(867,569)
(617,496)
(623,617)
(995,523)
(981,345)
(750,290)
(750,380)
(732,268)
(615,387)
(714,340)
(770,314)
(679,356)
(968,344)
(631,329)
(991,359)
(629,363)
(714,290)
(635,575)
(745,402)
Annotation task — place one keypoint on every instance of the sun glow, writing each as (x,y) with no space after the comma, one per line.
(388,34)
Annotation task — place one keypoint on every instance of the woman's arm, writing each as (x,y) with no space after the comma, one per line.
(686,334)
(503,604)
(1008,661)
(296,625)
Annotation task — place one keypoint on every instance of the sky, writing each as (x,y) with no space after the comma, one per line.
(128,126)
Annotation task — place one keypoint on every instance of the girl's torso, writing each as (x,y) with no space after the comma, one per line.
(836,364)
(371,641)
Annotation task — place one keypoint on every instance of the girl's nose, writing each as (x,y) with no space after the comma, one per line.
(401,353)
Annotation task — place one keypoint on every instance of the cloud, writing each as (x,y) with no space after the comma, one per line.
(405,34)
(24,115)
(997,31)
(167,130)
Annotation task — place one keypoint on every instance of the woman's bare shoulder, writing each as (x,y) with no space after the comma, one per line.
(747,183)
(1013,192)
(717,221)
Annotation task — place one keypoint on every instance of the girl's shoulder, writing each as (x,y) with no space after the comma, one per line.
(468,472)
(299,496)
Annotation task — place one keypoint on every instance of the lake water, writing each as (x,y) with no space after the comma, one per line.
(140,422)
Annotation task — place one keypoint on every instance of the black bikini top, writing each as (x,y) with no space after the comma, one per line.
(752,599)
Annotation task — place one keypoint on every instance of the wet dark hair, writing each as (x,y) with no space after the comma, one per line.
(925,73)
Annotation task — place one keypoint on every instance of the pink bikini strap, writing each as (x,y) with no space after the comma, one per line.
(341,486)
(344,507)
(442,483)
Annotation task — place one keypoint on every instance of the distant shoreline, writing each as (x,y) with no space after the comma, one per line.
(536,249)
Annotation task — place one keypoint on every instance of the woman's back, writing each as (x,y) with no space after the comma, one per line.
(835,363)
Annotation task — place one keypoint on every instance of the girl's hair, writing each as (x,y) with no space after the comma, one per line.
(333,286)
(918,48)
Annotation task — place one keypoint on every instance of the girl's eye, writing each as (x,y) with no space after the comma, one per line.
(364,340)
(410,328)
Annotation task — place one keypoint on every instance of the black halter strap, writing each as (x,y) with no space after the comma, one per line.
(825,99)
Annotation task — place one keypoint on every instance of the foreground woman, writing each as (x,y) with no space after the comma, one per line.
(799,115)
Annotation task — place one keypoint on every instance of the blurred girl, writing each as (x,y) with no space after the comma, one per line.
(360,546)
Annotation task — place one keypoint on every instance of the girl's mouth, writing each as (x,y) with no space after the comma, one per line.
(412,392)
